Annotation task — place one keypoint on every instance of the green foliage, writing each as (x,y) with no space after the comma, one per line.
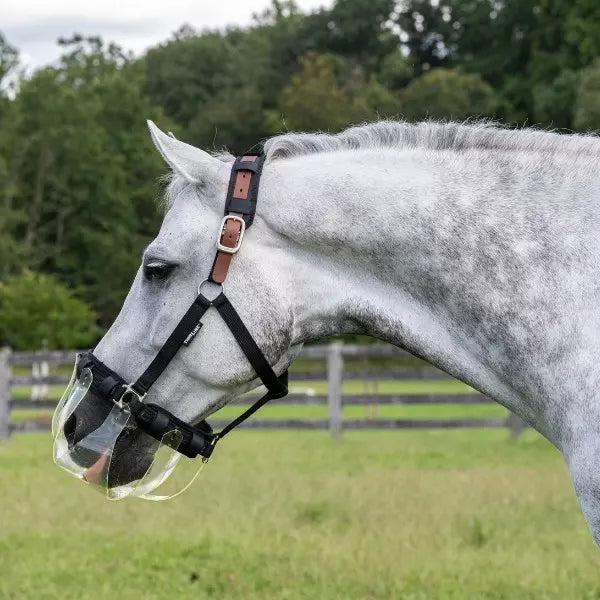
(229,88)
(447,93)
(587,104)
(553,101)
(37,312)
(188,71)
(328,94)
(581,29)
(313,100)
(231,120)
(12,250)
(396,71)
(86,174)
(520,48)
(375,101)
(355,29)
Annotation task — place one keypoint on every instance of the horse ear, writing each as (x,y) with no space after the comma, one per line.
(190,162)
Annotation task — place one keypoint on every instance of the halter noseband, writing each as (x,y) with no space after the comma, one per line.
(240,207)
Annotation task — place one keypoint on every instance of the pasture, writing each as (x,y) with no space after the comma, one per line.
(413,515)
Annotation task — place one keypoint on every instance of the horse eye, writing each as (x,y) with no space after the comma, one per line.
(157,270)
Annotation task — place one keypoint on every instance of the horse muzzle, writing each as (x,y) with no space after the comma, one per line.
(100,442)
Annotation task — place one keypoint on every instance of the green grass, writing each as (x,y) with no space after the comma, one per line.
(424,411)
(415,515)
(23,392)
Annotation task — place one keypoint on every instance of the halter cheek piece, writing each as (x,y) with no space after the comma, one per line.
(240,207)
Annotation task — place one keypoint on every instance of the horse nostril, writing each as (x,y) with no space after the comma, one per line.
(69,429)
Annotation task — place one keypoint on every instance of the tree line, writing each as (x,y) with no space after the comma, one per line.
(78,176)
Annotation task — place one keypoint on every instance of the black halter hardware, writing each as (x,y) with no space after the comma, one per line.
(156,421)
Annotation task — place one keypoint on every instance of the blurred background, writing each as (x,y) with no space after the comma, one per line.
(78,176)
(419,491)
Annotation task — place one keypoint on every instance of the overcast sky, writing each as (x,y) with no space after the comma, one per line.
(33,26)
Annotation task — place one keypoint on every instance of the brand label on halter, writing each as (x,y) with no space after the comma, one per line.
(192,335)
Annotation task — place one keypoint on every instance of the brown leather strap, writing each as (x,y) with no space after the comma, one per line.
(233,224)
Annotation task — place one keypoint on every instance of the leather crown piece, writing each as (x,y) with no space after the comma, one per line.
(239,212)
(240,207)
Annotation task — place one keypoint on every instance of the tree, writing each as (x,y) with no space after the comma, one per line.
(87,178)
(553,100)
(519,48)
(313,100)
(38,312)
(587,103)
(201,80)
(233,120)
(355,29)
(428,36)
(188,71)
(12,251)
(375,101)
(446,94)
(9,60)
(396,71)
(582,25)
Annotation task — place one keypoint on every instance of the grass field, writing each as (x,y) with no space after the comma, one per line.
(414,515)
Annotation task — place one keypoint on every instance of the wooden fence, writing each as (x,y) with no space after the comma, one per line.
(333,355)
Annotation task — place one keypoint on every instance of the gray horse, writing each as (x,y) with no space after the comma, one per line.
(474,247)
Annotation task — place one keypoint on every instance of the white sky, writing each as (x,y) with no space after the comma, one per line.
(33,26)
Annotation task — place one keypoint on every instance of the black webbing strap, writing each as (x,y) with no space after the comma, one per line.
(276,386)
(283,381)
(247,344)
(188,323)
(105,382)
(156,421)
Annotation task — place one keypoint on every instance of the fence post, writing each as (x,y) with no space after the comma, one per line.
(4,393)
(516,425)
(335,367)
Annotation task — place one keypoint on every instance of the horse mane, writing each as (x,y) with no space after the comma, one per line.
(428,135)
(431,135)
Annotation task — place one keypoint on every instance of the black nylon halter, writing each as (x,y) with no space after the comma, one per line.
(155,420)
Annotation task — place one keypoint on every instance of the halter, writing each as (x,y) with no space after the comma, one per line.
(240,207)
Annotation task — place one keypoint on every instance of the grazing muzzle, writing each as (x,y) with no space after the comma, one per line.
(94,445)
(96,454)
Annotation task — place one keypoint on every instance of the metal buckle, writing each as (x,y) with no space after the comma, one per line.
(128,389)
(238,243)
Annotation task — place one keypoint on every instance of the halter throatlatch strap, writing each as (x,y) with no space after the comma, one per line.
(240,207)
(246,342)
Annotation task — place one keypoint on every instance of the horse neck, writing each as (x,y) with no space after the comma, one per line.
(458,258)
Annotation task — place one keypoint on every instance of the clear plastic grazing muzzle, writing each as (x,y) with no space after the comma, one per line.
(96,457)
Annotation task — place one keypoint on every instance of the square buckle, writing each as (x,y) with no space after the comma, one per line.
(238,243)
(128,389)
